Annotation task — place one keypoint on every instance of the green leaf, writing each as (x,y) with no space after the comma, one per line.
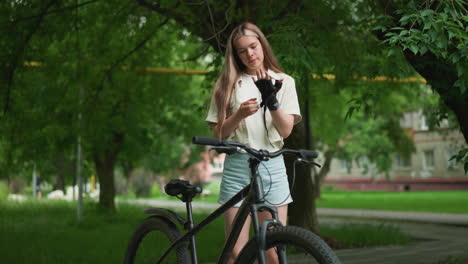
(423,50)
(450,35)
(427,26)
(427,12)
(414,48)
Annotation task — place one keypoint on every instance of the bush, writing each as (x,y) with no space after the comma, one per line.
(329,188)
(3,190)
(212,188)
(141,182)
(156,191)
(121,184)
(17,186)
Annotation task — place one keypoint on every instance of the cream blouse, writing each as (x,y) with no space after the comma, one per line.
(251,130)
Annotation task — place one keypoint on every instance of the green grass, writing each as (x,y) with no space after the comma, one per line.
(416,201)
(212,197)
(47,232)
(365,235)
(429,201)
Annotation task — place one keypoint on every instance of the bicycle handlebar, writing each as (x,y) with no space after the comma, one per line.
(260,154)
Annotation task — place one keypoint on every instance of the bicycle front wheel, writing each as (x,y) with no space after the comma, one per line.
(151,240)
(299,245)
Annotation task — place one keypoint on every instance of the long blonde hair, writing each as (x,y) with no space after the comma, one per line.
(233,68)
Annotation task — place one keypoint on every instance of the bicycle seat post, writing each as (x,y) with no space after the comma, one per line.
(188,226)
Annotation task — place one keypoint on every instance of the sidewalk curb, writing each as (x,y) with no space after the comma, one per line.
(422,217)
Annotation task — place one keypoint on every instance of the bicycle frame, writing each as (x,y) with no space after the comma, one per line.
(253,203)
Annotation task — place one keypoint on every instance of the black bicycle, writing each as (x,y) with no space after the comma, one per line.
(158,238)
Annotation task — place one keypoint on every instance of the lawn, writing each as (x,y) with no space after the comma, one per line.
(428,201)
(47,232)
(416,201)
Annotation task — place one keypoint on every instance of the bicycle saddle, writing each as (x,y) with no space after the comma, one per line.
(180,187)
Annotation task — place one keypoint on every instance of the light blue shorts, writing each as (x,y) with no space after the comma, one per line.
(236,175)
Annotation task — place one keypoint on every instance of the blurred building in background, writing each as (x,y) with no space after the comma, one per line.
(428,168)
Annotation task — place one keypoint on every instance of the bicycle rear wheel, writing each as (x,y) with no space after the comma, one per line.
(301,246)
(151,239)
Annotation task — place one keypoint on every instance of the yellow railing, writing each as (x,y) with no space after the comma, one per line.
(197,71)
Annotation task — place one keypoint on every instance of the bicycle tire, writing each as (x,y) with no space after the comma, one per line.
(151,239)
(302,246)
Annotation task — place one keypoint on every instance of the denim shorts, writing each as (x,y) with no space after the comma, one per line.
(236,175)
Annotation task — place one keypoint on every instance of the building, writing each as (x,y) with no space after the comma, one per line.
(429,168)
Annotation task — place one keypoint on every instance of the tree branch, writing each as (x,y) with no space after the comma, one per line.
(108,73)
(137,47)
(292,6)
(55,11)
(201,53)
(18,54)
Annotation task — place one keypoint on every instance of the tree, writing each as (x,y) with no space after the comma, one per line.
(123,107)
(432,35)
(309,38)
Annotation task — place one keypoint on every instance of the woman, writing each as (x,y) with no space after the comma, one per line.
(252,77)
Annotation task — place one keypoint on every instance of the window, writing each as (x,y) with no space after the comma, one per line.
(345,165)
(451,164)
(364,164)
(403,161)
(405,120)
(428,159)
(424,126)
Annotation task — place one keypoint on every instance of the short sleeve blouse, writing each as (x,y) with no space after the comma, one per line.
(251,131)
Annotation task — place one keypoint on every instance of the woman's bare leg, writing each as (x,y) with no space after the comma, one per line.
(271,255)
(243,236)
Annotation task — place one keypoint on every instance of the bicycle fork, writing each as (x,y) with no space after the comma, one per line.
(271,223)
(261,232)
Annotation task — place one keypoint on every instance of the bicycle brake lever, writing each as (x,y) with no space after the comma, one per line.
(309,162)
(316,164)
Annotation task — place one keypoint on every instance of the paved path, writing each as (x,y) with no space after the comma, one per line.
(435,242)
(439,235)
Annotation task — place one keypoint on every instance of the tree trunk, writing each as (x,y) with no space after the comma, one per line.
(63,167)
(302,212)
(441,77)
(319,177)
(105,160)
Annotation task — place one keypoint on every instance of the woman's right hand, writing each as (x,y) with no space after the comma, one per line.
(248,108)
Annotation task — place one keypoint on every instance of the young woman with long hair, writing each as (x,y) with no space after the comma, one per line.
(256,104)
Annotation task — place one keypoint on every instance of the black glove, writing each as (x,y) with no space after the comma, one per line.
(269,91)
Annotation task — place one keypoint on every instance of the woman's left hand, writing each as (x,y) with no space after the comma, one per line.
(267,89)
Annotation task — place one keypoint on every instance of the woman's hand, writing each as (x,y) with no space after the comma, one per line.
(268,89)
(248,108)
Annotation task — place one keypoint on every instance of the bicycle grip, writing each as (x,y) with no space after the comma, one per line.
(207,141)
(308,153)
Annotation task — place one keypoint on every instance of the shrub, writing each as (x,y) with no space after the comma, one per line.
(141,182)
(3,190)
(121,184)
(156,191)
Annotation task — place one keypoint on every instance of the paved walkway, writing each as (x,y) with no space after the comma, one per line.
(435,242)
(439,235)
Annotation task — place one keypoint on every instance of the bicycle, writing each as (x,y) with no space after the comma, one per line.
(293,244)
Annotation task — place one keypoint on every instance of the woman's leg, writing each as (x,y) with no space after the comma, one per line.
(271,255)
(243,236)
